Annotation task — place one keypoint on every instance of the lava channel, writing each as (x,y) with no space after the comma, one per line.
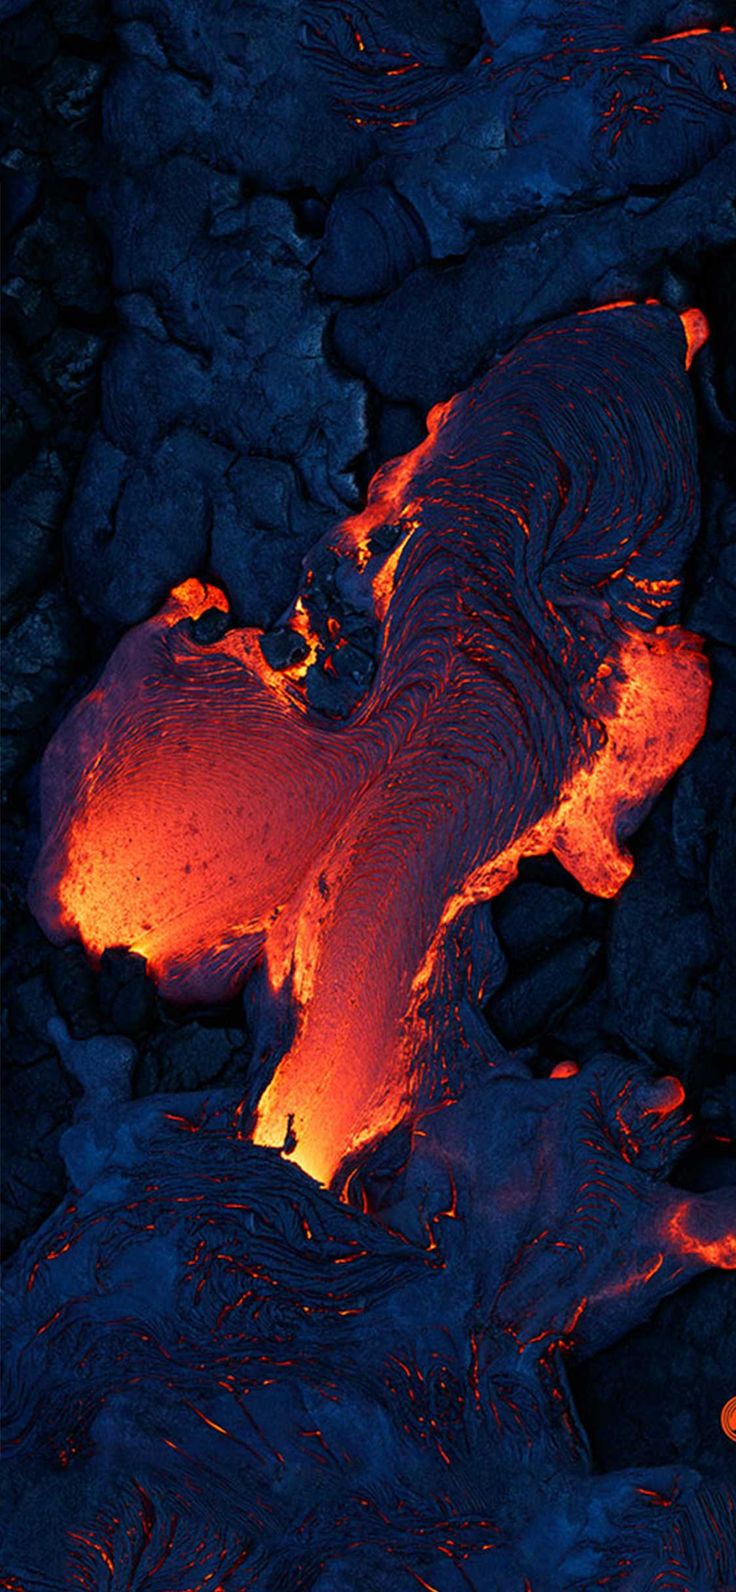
(529,695)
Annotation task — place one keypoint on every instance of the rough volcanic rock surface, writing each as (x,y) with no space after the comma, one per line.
(233,288)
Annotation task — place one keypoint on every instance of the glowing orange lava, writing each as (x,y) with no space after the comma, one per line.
(696,331)
(658,718)
(728,1419)
(198,811)
(713,1248)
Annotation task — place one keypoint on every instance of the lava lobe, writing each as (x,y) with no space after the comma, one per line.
(519,568)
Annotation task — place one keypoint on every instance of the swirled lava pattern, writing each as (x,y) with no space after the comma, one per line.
(220,1376)
(520,567)
(728,1419)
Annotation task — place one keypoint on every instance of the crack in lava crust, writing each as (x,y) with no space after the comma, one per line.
(529,696)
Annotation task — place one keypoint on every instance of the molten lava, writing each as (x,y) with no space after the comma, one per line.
(529,696)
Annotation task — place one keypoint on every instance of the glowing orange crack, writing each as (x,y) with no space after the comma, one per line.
(709,1248)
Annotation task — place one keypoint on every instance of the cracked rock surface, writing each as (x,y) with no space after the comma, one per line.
(247,248)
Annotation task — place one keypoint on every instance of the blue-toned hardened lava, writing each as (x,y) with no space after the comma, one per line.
(370,951)
(242,1376)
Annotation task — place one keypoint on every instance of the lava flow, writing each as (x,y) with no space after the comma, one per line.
(519,567)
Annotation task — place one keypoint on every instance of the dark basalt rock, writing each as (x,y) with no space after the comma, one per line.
(660,958)
(581,1030)
(74,987)
(400,428)
(714,607)
(67,365)
(336,685)
(41,657)
(190,1057)
(478,307)
(639,1400)
(124,992)
(38,1107)
(282,648)
(39,1094)
(208,628)
(545,116)
(118,561)
(196,77)
(262,1280)
(532,917)
(205,164)
(527,1004)
(33,508)
(262,527)
(34,261)
(372,241)
(210,364)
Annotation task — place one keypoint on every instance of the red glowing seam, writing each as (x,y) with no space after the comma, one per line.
(697,331)
(40,1331)
(673,1095)
(692,33)
(720,1251)
(635,1280)
(88,1542)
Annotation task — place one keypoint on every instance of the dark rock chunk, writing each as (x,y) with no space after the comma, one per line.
(61,229)
(67,363)
(714,613)
(702,795)
(372,241)
(125,992)
(211,626)
(82,19)
(721,879)
(533,917)
(660,959)
(31,542)
(71,89)
(526,1005)
(31,1007)
(282,648)
(29,308)
(581,1031)
(386,537)
(340,680)
(41,657)
(39,1102)
(190,1057)
(400,428)
(479,308)
(636,1398)
(21,193)
(310,212)
(248,96)
(73,986)
(223,339)
(133,534)
(722,710)
(262,528)
(26,412)
(30,40)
